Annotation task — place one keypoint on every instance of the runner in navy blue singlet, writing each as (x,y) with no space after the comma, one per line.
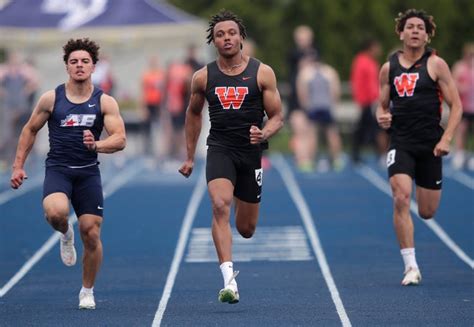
(240,91)
(413,84)
(76,113)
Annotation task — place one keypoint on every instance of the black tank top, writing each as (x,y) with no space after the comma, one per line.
(235,104)
(415,103)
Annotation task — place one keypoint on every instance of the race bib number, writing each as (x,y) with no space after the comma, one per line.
(391,157)
(259,176)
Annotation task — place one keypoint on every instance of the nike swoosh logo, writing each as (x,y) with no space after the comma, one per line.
(100,208)
(246,78)
(91,105)
(438,182)
(258,196)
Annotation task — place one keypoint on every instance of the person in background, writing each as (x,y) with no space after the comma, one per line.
(300,127)
(17,84)
(152,87)
(365,92)
(319,89)
(463,74)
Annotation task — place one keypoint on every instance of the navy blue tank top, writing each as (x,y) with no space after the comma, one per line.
(66,125)
(235,104)
(415,102)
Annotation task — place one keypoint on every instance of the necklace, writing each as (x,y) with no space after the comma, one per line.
(231,68)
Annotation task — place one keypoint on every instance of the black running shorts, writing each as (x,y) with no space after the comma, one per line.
(242,168)
(419,163)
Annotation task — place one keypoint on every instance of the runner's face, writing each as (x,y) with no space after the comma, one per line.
(227,38)
(414,33)
(80,66)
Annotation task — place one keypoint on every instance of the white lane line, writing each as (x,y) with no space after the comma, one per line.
(461,177)
(383,185)
(109,189)
(193,206)
(10,194)
(303,209)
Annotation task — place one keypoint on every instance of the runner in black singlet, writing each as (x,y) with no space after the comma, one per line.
(240,91)
(413,83)
(76,113)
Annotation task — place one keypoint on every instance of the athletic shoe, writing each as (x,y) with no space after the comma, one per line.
(229,294)
(412,277)
(68,252)
(86,301)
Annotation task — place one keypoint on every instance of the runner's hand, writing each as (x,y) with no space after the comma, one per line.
(441,149)
(89,141)
(384,120)
(186,168)
(256,135)
(18,176)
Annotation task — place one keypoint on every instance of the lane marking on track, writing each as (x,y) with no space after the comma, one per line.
(295,192)
(188,220)
(109,189)
(271,243)
(384,186)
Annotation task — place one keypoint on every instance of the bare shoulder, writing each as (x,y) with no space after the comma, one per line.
(108,103)
(384,72)
(266,76)
(385,67)
(437,62)
(438,68)
(266,70)
(199,80)
(46,101)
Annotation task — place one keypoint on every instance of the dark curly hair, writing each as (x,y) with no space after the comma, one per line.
(222,16)
(428,19)
(81,44)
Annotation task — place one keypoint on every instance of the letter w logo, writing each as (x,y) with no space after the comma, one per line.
(231,96)
(405,84)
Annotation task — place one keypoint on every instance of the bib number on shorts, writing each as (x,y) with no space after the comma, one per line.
(259,176)
(391,157)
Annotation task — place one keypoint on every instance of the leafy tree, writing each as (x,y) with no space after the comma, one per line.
(339,25)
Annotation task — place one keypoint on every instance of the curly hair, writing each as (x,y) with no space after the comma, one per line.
(222,16)
(81,44)
(428,19)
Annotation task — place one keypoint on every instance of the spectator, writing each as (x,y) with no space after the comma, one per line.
(153,84)
(303,38)
(177,92)
(463,74)
(365,92)
(319,88)
(16,85)
(102,76)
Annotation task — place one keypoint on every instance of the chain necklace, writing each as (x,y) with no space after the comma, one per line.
(230,69)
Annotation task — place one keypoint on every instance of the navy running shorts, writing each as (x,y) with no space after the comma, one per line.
(83,186)
(242,168)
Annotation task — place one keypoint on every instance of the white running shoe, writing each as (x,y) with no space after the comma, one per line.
(86,301)
(412,277)
(68,252)
(229,294)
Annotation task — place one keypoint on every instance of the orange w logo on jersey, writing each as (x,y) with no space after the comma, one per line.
(405,84)
(231,96)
